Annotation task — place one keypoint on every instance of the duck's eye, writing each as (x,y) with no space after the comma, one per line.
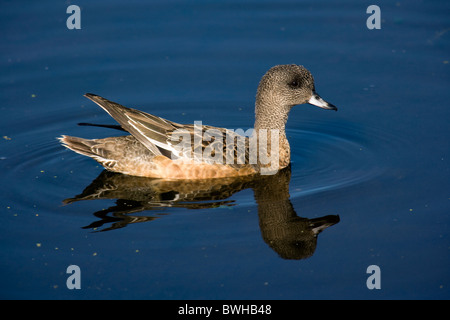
(294,84)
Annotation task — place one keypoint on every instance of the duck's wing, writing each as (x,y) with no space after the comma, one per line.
(202,143)
(212,145)
(148,129)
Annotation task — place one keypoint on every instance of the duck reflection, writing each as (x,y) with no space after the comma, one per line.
(291,236)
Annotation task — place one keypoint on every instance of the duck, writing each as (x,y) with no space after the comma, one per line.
(159,148)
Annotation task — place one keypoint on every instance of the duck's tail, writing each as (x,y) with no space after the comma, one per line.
(98,149)
(79,145)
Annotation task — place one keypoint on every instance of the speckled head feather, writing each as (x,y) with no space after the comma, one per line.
(286,84)
(281,88)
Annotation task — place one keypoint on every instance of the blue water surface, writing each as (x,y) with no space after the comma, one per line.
(381,163)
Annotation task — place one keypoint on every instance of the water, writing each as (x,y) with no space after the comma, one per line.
(377,170)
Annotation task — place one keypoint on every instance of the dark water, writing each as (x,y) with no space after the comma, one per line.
(381,164)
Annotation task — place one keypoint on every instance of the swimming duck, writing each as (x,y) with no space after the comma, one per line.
(203,152)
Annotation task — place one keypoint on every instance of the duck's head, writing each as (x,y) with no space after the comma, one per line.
(285,86)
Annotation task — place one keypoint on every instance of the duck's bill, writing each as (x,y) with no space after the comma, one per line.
(316,100)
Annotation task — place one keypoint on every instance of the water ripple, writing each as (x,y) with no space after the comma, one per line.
(340,156)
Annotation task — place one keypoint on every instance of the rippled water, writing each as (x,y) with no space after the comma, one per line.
(373,178)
